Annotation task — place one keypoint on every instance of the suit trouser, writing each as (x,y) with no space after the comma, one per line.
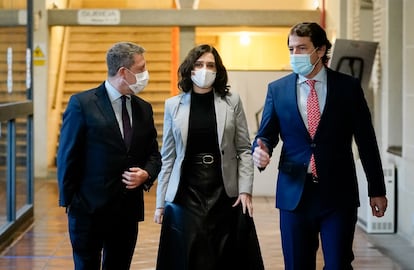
(302,228)
(112,236)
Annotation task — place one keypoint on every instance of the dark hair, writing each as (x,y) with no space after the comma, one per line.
(185,83)
(122,54)
(317,35)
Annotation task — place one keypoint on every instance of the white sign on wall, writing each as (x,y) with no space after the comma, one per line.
(99,16)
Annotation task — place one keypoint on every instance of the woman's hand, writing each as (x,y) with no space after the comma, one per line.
(158,215)
(246,201)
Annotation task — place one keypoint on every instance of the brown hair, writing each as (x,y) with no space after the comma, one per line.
(185,83)
(317,35)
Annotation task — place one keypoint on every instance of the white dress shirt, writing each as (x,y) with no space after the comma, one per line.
(115,98)
(303,89)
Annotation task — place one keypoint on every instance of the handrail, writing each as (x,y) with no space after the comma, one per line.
(13,110)
(57,85)
(56,102)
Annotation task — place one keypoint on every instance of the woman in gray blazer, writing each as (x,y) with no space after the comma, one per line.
(204,199)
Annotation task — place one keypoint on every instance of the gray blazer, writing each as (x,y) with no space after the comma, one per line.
(233,138)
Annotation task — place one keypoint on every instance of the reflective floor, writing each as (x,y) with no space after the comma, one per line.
(46,245)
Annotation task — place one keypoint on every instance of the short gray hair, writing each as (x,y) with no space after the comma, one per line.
(121,54)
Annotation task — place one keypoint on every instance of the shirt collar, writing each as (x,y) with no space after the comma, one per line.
(320,76)
(112,92)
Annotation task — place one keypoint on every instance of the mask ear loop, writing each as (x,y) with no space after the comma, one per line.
(317,61)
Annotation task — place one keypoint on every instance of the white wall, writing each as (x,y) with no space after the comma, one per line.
(40,94)
(406,185)
(252,87)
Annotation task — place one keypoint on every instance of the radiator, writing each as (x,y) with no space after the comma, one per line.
(366,220)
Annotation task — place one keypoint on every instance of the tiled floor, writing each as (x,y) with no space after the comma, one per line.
(46,245)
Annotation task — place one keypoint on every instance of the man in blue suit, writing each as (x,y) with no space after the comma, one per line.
(317,191)
(108,155)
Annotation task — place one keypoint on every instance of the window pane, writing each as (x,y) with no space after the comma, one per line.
(13,64)
(21,158)
(3,186)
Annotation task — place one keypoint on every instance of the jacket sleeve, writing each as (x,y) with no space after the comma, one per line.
(366,142)
(269,126)
(153,164)
(168,152)
(242,140)
(69,156)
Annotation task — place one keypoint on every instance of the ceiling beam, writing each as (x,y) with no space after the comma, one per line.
(189,17)
(13,17)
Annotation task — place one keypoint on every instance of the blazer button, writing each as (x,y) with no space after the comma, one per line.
(313,145)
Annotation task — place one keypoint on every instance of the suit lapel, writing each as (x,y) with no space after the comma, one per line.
(137,114)
(105,107)
(220,108)
(292,99)
(328,100)
(182,114)
(328,91)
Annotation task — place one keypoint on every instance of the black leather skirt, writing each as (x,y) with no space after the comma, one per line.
(201,230)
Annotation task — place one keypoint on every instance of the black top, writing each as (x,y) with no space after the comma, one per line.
(202,130)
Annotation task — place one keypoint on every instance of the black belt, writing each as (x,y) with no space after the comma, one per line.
(202,159)
(313,178)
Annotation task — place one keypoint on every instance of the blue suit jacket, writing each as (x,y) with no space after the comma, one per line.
(92,155)
(345,116)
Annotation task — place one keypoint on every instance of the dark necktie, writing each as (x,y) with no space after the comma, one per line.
(314,116)
(126,124)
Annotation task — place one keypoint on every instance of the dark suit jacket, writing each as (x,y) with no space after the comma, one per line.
(92,155)
(345,116)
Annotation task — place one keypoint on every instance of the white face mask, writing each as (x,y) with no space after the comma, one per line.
(203,78)
(141,81)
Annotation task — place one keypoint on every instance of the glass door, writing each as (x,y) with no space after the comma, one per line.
(16,117)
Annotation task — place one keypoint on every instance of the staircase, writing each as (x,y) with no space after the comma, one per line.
(85,65)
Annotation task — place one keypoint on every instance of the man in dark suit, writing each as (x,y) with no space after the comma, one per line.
(108,155)
(317,191)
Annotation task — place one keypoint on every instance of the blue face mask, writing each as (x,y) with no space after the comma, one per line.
(301,63)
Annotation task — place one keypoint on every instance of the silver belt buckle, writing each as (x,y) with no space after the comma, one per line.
(207,159)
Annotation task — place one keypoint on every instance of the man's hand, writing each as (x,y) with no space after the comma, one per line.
(378,205)
(134,177)
(261,156)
